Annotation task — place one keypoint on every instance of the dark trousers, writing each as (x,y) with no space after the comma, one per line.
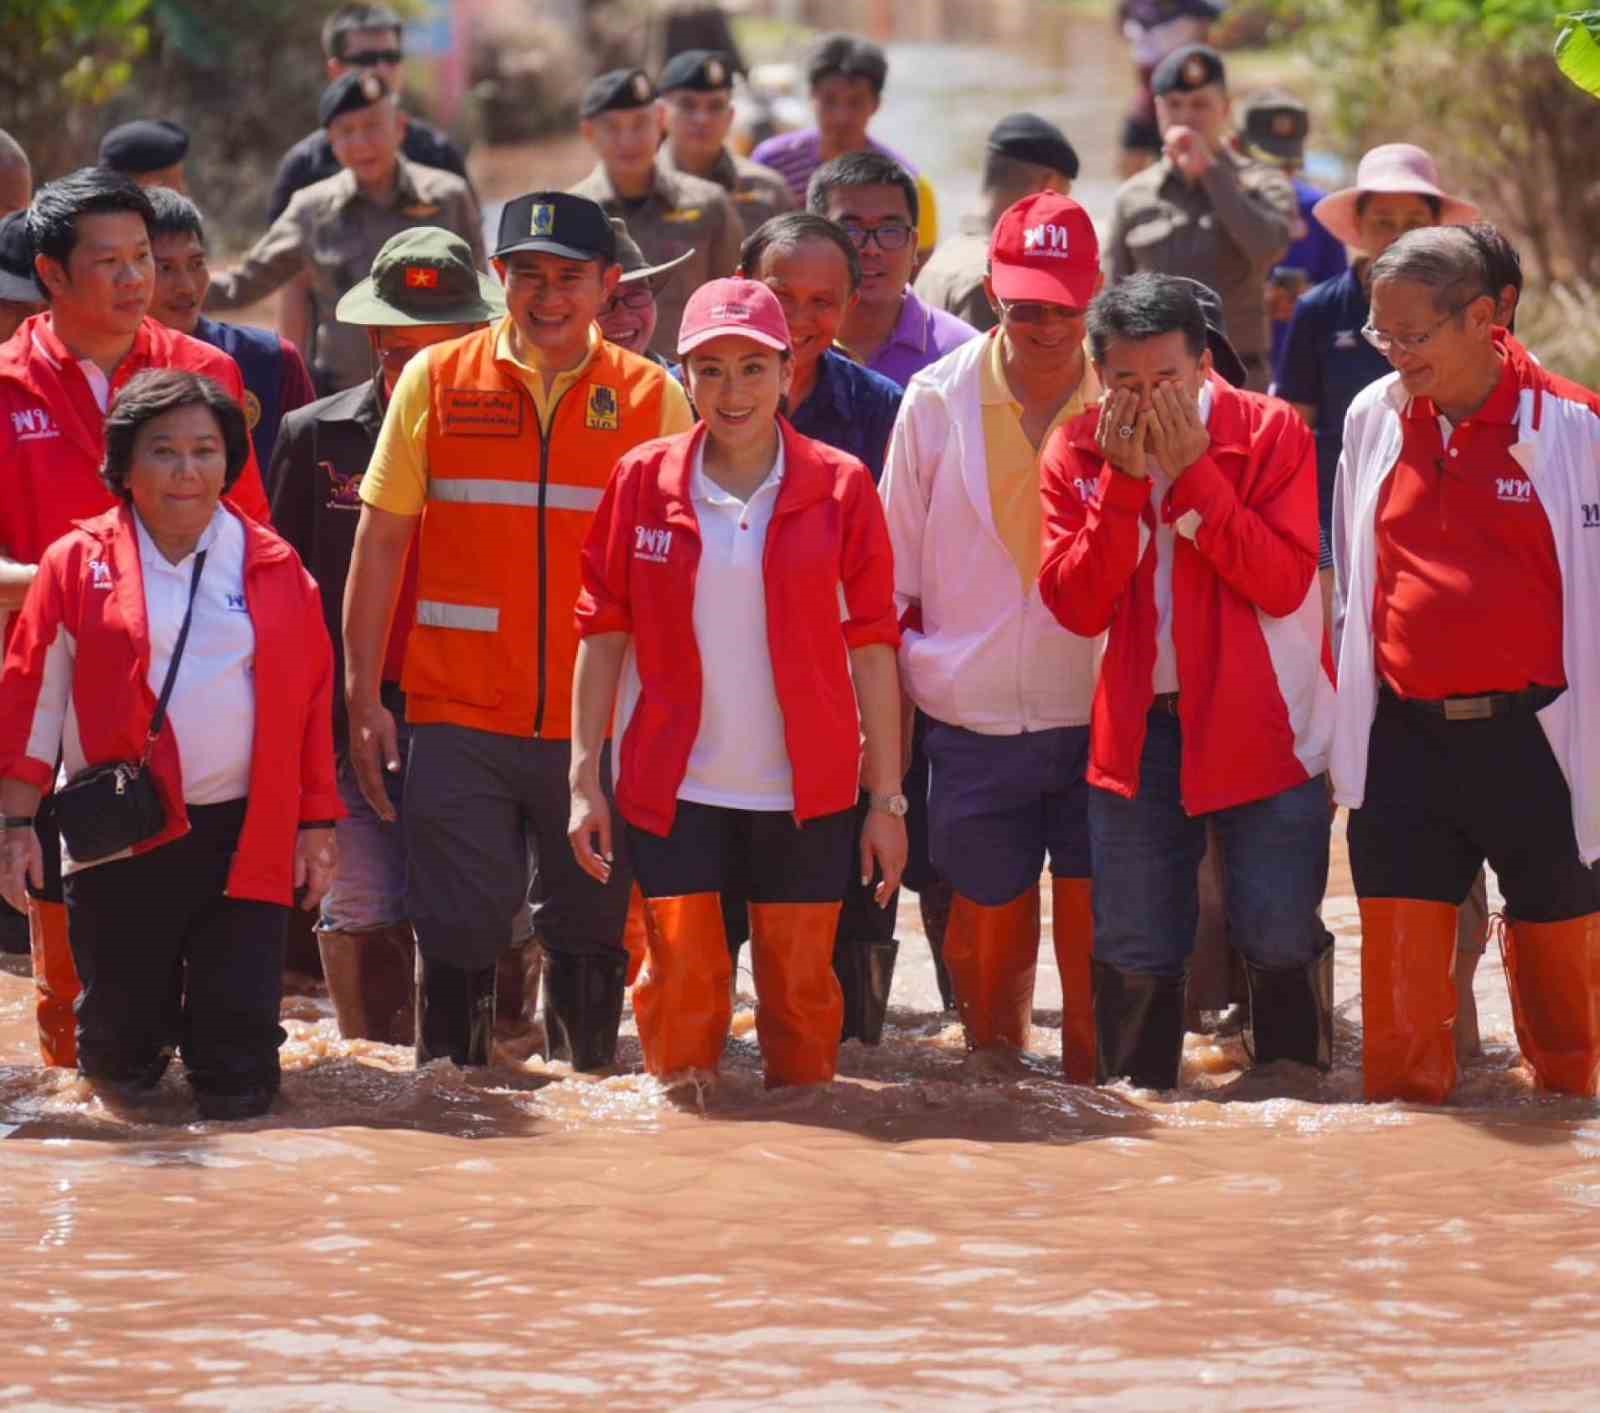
(476,801)
(1147,851)
(169,962)
(1444,796)
(998,806)
(772,859)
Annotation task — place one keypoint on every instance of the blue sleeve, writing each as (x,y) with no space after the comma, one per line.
(1300,376)
(885,408)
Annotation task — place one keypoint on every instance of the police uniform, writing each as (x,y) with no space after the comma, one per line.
(332,232)
(758,193)
(312,160)
(952,279)
(505,469)
(680,213)
(145,145)
(1228,230)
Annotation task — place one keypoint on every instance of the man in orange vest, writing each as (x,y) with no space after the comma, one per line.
(502,443)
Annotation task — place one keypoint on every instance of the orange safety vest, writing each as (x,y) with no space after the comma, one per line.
(508,509)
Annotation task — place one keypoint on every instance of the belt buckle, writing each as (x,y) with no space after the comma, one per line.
(1468,708)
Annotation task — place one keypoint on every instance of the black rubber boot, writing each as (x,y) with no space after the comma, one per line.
(866,972)
(934,904)
(251,1104)
(1138,1023)
(455,1013)
(583,1008)
(1291,1011)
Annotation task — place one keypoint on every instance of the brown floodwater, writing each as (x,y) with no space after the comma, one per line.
(927,1231)
(925,1228)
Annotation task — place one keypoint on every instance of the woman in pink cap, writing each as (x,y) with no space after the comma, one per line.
(1326,362)
(737,606)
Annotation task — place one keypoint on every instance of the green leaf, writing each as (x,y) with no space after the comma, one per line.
(1578,50)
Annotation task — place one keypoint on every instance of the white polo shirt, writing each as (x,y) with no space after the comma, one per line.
(1166,669)
(212,713)
(740,759)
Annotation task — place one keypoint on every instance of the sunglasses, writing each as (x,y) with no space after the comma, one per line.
(1030,311)
(372,58)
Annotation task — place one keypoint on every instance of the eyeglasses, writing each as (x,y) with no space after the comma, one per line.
(634,296)
(1036,311)
(1407,343)
(891,235)
(372,58)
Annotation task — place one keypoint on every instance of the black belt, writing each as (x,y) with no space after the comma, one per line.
(1481,708)
(1165,702)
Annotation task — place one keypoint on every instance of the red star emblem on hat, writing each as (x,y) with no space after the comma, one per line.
(421,277)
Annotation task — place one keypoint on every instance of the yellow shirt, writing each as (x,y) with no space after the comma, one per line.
(397,476)
(1013,460)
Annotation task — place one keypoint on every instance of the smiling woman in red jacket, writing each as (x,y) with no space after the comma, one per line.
(737,605)
(179,937)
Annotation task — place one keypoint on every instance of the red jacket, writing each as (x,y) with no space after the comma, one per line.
(52,432)
(827,539)
(1255,678)
(90,587)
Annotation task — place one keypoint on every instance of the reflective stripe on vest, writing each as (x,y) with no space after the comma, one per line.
(473,491)
(471,617)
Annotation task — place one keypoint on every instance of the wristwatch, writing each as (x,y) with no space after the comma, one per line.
(897,805)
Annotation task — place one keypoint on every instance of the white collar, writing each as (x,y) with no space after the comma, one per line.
(703,488)
(151,555)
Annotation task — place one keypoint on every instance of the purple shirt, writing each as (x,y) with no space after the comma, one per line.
(796,155)
(923,336)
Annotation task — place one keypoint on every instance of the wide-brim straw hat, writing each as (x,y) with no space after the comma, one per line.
(1395,169)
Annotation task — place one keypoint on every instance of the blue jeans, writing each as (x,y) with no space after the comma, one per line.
(1146,851)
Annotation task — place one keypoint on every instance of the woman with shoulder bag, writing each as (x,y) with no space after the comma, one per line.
(738,610)
(171,677)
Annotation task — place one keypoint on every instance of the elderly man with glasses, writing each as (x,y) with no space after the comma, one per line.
(1006,689)
(1466,531)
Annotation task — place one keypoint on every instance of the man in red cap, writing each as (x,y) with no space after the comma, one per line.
(1006,689)
(1181,520)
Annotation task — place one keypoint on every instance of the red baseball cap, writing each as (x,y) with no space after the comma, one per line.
(1044,249)
(744,308)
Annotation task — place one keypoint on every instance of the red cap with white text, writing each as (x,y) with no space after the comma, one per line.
(742,308)
(1044,250)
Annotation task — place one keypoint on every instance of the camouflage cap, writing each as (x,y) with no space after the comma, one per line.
(424,275)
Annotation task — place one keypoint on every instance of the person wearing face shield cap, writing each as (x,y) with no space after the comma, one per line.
(1181,520)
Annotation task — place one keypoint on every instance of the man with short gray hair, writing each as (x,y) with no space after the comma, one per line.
(1467,551)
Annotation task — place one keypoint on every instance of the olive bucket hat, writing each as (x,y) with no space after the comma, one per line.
(424,275)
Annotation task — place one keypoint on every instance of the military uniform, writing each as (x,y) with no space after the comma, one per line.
(758,193)
(1228,231)
(333,232)
(952,279)
(681,213)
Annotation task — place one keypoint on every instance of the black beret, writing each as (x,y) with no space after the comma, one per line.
(1026,137)
(1186,69)
(350,93)
(703,70)
(617,92)
(145,145)
(16,261)
(1275,125)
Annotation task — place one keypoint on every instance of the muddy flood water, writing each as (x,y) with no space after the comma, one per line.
(927,1232)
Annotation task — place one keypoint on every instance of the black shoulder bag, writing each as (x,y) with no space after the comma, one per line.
(108,809)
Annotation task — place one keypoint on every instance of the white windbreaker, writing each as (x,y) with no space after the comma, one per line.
(982,652)
(1558,446)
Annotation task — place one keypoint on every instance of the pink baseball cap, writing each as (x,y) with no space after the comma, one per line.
(1044,249)
(744,308)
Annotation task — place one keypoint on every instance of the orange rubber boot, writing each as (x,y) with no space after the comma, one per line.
(992,954)
(799,1006)
(683,1006)
(1072,926)
(1408,999)
(1553,974)
(55,977)
(634,933)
